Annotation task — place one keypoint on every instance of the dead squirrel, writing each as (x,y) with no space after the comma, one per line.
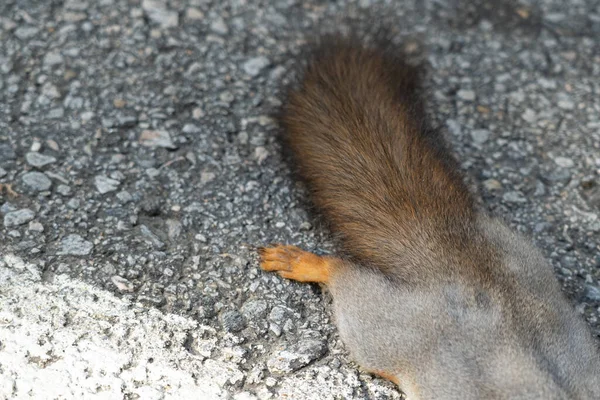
(433,294)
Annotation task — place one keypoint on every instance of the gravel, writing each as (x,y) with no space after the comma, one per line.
(19,217)
(36,181)
(75,245)
(140,137)
(38,160)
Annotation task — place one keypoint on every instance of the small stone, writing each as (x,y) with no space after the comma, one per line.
(122,284)
(454,127)
(104,184)
(513,197)
(206,177)
(53,58)
(592,293)
(219,26)
(156,139)
(492,184)
(529,116)
(14,234)
(26,32)
(261,154)
(75,245)
(173,228)
(19,217)
(255,65)
(467,95)
(255,309)
(157,12)
(35,226)
(37,181)
(201,238)
(232,321)
(480,136)
(6,152)
(299,356)
(565,103)
(64,190)
(151,238)
(38,160)
(194,14)
(124,197)
(73,204)
(564,162)
(278,314)
(2,172)
(562,175)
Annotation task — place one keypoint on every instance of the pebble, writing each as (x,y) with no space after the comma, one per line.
(35,226)
(53,58)
(299,356)
(19,217)
(122,284)
(2,172)
(37,181)
(174,228)
(467,95)
(232,321)
(151,238)
(219,26)
(156,139)
(194,14)
(206,177)
(75,245)
(26,32)
(255,309)
(158,12)
(255,65)
(38,160)
(480,136)
(564,162)
(7,152)
(592,293)
(513,197)
(105,185)
(492,184)
(63,189)
(124,197)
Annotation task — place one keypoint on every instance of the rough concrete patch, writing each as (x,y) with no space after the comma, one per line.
(71,340)
(66,339)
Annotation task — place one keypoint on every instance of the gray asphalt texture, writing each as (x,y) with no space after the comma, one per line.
(140,141)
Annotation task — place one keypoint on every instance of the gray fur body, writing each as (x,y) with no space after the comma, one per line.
(516,339)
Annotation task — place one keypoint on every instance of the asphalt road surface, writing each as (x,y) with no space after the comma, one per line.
(140,168)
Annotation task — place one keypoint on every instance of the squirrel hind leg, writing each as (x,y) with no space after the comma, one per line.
(293,263)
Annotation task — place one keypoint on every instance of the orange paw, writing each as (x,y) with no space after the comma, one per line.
(294,263)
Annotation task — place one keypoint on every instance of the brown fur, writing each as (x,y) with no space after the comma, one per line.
(436,295)
(381,176)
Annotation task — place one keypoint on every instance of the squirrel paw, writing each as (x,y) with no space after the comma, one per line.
(291,262)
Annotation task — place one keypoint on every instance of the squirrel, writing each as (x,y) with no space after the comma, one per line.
(432,293)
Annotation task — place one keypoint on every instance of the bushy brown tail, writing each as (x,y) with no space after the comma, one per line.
(380,175)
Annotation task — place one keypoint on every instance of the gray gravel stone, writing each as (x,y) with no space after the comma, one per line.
(39,160)
(37,181)
(158,138)
(255,309)
(75,245)
(467,95)
(151,238)
(232,321)
(299,355)
(19,217)
(157,12)
(255,65)
(26,32)
(480,136)
(592,293)
(6,152)
(513,197)
(105,184)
